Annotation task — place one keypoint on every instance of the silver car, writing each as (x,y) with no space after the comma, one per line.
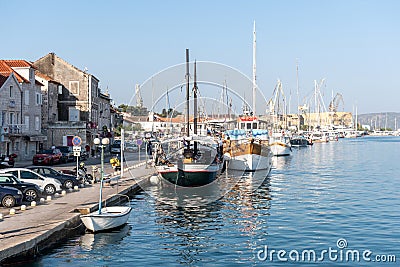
(49,185)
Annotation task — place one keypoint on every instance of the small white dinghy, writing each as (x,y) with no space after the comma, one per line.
(108,218)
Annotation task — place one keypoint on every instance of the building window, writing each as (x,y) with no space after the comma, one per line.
(74,87)
(11,89)
(26,98)
(37,123)
(39,99)
(11,119)
(26,123)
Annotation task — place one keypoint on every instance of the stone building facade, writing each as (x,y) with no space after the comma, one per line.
(78,98)
(22,115)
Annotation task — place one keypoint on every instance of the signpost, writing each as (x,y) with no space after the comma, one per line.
(77,141)
(139,142)
(122,151)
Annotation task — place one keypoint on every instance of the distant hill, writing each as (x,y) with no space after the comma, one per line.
(379,120)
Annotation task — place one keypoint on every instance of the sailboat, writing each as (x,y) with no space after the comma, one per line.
(106,218)
(246,147)
(279,142)
(191,160)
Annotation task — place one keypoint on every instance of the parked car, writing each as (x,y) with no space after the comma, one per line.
(7,161)
(30,191)
(67,153)
(49,185)
(131,147)
(47,156)
(9,197)
(116,148)
(67,181)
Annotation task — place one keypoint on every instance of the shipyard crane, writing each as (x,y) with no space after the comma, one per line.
(334,105)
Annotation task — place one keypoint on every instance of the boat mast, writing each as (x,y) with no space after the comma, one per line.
(187,94)
(195,101)
(254,69)
(298,98)
(195,108)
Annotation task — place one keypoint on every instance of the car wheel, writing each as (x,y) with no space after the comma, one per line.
(31,195)
(68,184)
(50,189)
(8,201)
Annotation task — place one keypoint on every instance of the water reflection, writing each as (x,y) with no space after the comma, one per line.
(281,163)
(195,196)
(191,232)
(90,241)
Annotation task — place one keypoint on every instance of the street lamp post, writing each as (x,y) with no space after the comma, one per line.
(104,142)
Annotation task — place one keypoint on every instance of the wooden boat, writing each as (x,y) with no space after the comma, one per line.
(246,147)
(195,160)
(108,218)
(248,153)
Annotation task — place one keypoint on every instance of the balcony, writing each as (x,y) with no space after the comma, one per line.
(12,129)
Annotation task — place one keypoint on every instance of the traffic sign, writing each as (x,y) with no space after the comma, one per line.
(77,153)
(139,142)
(76,141)
(76,149)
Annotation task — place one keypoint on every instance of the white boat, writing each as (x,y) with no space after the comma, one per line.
(108,218)
(319,137)
(105,218)
(280,144)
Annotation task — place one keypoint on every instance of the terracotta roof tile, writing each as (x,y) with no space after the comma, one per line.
(6,69)
(17,63)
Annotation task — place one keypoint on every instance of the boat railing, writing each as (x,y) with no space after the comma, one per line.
(120,198)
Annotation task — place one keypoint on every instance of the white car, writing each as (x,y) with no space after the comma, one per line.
(49,185)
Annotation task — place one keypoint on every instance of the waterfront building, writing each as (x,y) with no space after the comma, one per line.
(20,109)
(82,109)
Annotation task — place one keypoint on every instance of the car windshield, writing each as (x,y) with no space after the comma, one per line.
(116,145)
(46,151)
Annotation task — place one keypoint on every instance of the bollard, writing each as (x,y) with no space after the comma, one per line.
(63,193)
(23,207)
(41,200)
(1,216)
(48,198)
(12,211)
(76,188)
(33,204)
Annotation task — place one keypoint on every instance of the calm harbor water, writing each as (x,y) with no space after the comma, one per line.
(337,196)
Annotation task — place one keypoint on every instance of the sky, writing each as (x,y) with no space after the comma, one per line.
(354,45)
